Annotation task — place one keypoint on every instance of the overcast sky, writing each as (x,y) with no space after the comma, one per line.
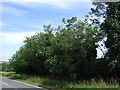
(23,19)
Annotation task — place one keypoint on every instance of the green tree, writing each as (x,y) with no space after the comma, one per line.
(30,57)
(67,52)
(110,11)
(73,50)
(5,66)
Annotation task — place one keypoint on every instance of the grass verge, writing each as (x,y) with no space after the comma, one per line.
(50,83)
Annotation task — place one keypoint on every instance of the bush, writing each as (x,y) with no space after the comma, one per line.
(63,53)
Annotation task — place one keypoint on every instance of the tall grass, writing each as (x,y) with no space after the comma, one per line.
(52,83)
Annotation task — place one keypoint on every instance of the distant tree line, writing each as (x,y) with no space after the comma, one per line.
(5,66)
(69,52)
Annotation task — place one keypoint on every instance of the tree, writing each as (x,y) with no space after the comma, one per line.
(5,66)
(110,11)
(68,51)
(111,26)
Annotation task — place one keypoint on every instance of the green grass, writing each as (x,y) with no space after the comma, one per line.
(50,83)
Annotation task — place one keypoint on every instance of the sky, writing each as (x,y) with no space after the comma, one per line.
(20,19)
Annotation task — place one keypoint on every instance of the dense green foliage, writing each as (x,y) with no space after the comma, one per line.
(5,66)
(110,11)
(67,52)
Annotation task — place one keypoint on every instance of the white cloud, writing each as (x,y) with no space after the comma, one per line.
(46,0)
(11,39)
(99,53)
(31,25)
(3,24)
(37,5)
(4,57)
(63,4)
(101,50)
(14,38)
(13,11)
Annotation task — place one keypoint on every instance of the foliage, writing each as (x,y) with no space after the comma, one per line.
(67,52)
(58,84)
(5,66)
(110,12)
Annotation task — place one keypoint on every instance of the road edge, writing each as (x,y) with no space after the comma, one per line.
(24,83)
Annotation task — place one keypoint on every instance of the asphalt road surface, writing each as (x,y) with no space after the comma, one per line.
(9,84)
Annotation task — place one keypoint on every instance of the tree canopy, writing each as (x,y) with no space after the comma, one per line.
(68,51)
(110,12)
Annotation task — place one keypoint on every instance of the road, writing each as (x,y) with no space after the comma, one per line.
(9,84)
